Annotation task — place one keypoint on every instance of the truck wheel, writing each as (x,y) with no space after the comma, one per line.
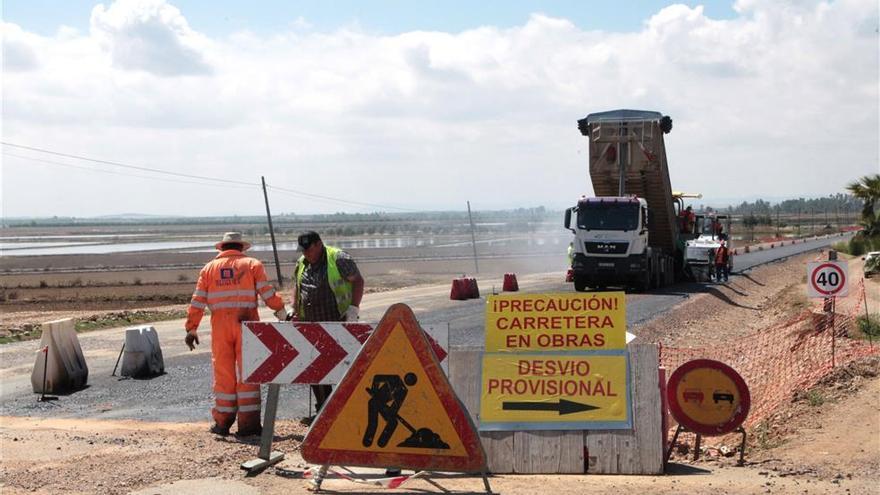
(580,283)
(644,283)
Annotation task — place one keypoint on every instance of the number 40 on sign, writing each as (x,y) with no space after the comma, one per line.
(827,279)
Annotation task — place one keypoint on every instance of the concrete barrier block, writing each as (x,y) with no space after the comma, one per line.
(143,354)
(63,361)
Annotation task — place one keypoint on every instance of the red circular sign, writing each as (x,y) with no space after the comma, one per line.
(708,397)
(816,274)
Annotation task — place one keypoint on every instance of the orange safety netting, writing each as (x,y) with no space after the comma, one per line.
(789,357)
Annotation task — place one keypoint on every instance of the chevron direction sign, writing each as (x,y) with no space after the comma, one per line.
(299,352)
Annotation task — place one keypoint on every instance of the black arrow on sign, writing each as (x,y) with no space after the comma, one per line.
(563,406)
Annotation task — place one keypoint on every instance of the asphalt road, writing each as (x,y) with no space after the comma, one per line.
(183,393)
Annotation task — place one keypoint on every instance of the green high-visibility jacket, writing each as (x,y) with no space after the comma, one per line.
(342,289)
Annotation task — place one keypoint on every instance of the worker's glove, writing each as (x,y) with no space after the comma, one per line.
(282,315)
(191,339)
(351,314)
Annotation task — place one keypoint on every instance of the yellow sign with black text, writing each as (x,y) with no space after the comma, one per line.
(554,391)
(556,322)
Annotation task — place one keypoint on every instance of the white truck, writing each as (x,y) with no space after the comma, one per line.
(629,234)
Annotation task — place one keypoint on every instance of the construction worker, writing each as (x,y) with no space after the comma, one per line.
(327,287)
(229,285)
(687,219)
(717,227)
(722,262)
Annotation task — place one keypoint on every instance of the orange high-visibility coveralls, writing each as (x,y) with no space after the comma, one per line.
(229,286)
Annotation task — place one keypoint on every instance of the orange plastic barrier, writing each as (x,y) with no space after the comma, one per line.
(460,289)
(474,290)
(510,283)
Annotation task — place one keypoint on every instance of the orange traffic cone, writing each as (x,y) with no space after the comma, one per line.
(510,284)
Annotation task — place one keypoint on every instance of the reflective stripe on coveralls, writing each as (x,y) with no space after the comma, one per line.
(228,286)
(342,289)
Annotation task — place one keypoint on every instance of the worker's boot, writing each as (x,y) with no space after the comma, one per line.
(250,432)
(223,431)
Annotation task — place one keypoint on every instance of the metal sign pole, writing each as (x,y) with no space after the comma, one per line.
(867,315)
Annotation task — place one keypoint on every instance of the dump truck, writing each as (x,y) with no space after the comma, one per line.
(629,234)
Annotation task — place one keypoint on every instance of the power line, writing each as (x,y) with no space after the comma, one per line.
(294,192)
(136,167)
(112,172)
(282,190)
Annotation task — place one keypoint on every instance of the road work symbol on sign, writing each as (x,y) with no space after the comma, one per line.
(395,407)
(827,279)
(556,322)
(708,397)
(554,391)
(386,398)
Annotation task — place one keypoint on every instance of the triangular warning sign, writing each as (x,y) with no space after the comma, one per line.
(395,408)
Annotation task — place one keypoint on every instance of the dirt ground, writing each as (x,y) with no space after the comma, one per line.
(827,440)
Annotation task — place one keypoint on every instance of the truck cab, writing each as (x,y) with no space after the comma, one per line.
(611,242)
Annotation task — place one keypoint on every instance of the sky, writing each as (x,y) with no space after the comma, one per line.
(179,107)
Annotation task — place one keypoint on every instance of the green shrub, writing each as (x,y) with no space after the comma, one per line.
(841,247)
(869,326)
(857,246)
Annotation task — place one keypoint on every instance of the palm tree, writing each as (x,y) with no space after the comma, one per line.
(867,189)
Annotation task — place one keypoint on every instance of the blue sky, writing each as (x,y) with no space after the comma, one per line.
(359,106)
(217,18)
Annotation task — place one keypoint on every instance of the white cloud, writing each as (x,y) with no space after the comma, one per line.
(780,101)
(149,35)
(18,54)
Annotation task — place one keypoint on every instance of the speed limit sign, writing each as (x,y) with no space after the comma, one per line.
(827,279)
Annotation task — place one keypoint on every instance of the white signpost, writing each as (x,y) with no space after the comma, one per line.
(827,279)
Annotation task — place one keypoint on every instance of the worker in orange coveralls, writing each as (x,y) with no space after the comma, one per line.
(229,286)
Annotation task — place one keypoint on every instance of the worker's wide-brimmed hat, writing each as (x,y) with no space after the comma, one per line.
(233,237)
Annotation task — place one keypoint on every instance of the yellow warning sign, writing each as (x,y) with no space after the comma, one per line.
(556,322)
(392,405)
(528,391)
(395,407)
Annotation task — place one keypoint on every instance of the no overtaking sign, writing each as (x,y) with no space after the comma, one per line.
(827,279)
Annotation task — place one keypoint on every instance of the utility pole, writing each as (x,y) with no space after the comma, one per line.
(473,238)
(812,222)
(272,234)
(826,217)
(777,220)
(837,215)
(799,220)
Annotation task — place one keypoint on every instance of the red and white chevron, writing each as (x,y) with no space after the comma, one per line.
(297,352)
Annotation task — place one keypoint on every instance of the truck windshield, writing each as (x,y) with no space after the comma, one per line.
(608,216)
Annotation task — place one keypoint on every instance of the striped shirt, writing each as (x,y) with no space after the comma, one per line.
(319,303)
